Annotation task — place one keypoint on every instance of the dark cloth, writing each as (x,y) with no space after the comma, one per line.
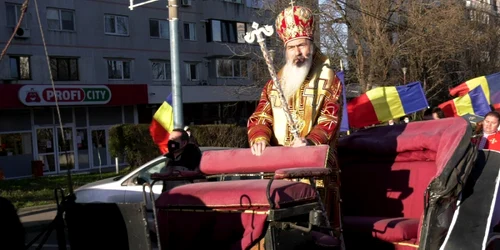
(189,158)
(12,234)
(193,140)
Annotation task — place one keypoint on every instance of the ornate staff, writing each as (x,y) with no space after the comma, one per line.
(250,38)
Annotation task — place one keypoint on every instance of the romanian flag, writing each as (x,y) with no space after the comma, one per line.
(162,124)
(474,102)
(385,103)
(344,125)
(490,85)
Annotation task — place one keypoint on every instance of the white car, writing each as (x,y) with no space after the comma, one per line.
(128,188)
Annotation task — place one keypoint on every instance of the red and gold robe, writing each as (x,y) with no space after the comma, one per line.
(492,142)
(315,108)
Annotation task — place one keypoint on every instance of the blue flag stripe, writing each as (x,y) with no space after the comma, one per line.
(412,97)
(479,102)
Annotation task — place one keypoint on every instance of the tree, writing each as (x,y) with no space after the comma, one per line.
(435,40)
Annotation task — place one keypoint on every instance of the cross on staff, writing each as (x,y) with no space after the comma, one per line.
(292,2)
(260,34)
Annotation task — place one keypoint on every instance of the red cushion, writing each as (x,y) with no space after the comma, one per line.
(396,187)
(386,229)
(241,194)
(273,158)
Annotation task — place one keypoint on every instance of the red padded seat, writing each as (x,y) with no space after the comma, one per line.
(386,229)
(240,194)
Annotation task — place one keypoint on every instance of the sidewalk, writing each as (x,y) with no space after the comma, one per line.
(35,219)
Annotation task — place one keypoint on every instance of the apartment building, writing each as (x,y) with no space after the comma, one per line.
(111,65)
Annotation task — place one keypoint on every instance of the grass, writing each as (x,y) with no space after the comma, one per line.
(40,191)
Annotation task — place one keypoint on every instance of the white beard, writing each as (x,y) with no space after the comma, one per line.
(293,76)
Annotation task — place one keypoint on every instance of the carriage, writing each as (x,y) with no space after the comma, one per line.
(421,185)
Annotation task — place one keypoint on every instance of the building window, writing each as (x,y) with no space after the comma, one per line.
(227,31)
(229,68)
(13,12)
(58,19)
(158,29)
(116,25)
(64,69)
(15,144)
(20,67)
(192,71)
(161,70)
(190,31)
(118,69)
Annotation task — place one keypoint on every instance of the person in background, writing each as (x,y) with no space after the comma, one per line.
(406,119)
(390,122)
(437,113)
(181,152)
(181,156)
(490,137)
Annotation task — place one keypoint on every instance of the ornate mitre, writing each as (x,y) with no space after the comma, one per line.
(295,22)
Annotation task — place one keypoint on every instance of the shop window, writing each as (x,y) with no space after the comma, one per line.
(15,144)
(64,69)
(20,67)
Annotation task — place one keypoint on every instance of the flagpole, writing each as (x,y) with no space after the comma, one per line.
(342,69)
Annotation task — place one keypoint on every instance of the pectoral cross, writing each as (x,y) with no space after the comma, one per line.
(292,2)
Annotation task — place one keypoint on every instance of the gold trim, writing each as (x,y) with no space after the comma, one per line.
(405,244)
(215,210)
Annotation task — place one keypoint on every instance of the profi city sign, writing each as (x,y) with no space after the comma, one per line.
(44,95)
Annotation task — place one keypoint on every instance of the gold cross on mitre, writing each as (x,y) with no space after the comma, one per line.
(493,141)
(292,2)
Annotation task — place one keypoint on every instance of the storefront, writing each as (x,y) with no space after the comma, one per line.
(30,127)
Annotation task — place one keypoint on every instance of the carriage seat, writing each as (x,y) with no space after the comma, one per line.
(390,209)
(282,163)
(239,210)
(237,195)
(383,192)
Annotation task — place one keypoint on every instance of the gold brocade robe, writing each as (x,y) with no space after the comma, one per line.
(315,108)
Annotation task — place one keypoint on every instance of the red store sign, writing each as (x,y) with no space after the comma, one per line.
(18,96)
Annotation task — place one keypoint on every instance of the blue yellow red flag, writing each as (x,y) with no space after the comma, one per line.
(490,85)
(162,124)
(382,104)
(474,102)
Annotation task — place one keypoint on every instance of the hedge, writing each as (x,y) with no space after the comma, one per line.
(133,141)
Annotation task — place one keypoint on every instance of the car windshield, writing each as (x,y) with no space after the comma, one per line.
(157,167)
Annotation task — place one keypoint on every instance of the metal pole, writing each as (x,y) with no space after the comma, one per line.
(174,64)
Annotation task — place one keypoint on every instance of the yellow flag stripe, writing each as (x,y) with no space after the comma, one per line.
(463,105)
(386,103)
(484,84)
(165,116)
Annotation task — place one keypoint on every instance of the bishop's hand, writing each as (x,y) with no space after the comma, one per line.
(299,142)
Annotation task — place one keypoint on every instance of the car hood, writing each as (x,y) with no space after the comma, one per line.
(97,183)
